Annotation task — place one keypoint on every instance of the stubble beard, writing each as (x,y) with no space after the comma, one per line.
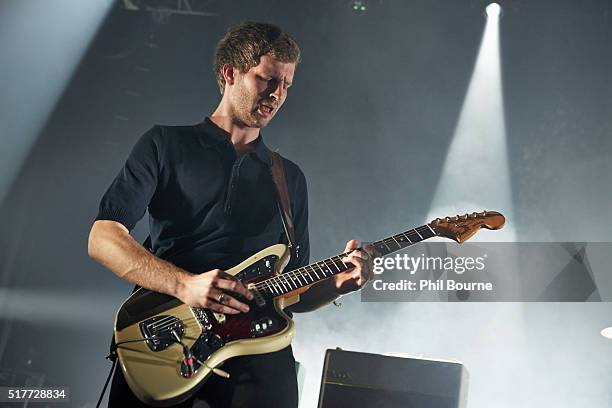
(244,109)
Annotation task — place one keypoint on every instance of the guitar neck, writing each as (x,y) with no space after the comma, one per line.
(325,269)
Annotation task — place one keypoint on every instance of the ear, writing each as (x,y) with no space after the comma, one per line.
(228,74)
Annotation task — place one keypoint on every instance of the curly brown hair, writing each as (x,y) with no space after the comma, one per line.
(244,44)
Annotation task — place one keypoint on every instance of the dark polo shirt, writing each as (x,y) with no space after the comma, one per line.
(207,207)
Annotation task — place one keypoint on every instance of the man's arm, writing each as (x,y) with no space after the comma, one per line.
(111,244)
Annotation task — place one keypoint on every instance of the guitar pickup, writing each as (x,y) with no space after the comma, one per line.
(261,302)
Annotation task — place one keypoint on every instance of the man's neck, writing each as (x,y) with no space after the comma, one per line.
(243,138)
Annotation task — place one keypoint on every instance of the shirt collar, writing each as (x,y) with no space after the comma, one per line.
(217,135)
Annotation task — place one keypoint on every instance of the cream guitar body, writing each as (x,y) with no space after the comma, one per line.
(156,370)
(167,349)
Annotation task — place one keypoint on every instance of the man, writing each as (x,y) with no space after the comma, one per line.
(212,203)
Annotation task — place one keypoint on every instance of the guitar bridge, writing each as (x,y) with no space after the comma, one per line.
(158,331)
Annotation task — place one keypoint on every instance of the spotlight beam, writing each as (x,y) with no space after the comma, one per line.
(476,175)
(39,57)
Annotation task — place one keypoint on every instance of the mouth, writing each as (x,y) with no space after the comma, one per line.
(266,109)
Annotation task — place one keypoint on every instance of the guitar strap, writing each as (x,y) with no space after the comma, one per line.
(284,203)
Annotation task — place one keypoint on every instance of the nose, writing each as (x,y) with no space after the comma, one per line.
(277,91)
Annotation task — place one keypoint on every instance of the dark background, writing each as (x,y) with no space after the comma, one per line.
(369,119)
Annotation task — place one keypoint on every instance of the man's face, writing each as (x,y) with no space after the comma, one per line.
(258,94)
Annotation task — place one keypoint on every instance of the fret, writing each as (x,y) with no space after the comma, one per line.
(334,263)
(407,237)
(304,276)
(284,287)
(290,281)
(433,233)
(298,275)
(285,282)
(426,231)
(315,272)
(338,260)
(400,241)
(322,266)
(396,243)
(392,240)
(324,269)
(420,236)
(414,236)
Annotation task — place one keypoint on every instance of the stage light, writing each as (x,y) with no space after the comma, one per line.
(607,332)
(476,173)
(359,5)
(493,10)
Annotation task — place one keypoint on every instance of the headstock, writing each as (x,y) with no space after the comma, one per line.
(461,227)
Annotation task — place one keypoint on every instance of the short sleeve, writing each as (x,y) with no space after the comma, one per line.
(129,195)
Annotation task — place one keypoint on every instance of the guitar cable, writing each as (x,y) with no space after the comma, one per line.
(110,374)
(189,357)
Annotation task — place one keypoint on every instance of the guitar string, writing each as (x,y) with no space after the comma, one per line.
(302,272)
(168,321)
(267,284)
(327,261)
(278,284)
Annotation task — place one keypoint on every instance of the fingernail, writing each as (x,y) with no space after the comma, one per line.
(245,309)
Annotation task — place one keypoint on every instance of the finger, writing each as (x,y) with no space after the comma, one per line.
(363,270)
(366,264)
(371,250)
(228,301)
(360,254)
(233,284)
(356,258)
(351,245)
(219,308)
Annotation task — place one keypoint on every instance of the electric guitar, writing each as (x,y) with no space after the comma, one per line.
(167,349)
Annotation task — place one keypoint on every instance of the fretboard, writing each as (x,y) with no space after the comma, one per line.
(318,271)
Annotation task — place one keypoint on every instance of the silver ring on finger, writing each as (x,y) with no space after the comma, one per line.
(221,297)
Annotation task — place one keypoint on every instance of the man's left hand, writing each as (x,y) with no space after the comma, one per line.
(357,277)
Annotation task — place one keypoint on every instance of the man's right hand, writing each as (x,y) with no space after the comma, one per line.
(212,290)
